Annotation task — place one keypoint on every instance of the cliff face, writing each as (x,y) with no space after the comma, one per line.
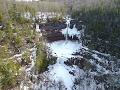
(52,31)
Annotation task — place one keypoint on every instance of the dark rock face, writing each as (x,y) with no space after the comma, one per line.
(79,27)
(52,26)
(52,30)
(58,36)
(23,62)
(75,61)
(78,24)
(71,26)
(54,36)
(72,73)
(43,70)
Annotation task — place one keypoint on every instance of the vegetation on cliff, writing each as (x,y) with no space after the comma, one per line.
(17,36)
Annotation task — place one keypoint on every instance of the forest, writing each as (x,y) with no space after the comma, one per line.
(18,36)
(103,24)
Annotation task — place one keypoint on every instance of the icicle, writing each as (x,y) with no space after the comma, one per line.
(68,26)
(72,36)
(66,37)
(74,25)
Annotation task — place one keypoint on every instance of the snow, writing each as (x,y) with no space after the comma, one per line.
(37,28)
(21,85)
(26,88)
(101,53)
(73,32)
(17,55)
(1,27)
(61,73)
(27,70)
(96,57)
(33,60)
(63,49)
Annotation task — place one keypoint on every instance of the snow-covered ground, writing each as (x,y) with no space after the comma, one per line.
(63,49)
(60,71)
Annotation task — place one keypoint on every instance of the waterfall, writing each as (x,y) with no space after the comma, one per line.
(66,36)
(68,26)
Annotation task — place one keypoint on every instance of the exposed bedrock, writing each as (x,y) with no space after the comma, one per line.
(58,36)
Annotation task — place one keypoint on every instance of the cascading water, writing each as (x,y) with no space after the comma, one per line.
(68,26)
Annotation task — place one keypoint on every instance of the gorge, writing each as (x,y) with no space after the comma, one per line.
(76,67)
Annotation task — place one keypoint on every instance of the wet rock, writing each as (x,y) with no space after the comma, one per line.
(71,26)
(23,62)
(101,79)
(69,62)
(43,70)
(71,72)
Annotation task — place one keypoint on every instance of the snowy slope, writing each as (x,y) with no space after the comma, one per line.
(60,71)
(63,49)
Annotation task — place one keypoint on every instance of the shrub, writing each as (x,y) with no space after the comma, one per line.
(8,71)
(26,57)
(17,40)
